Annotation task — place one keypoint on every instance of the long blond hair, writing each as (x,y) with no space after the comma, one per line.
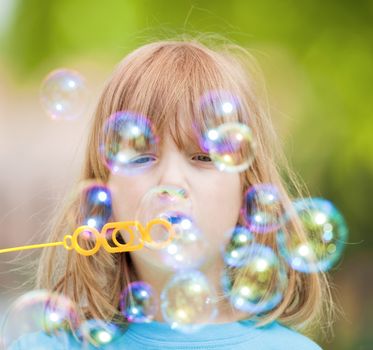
(159,80)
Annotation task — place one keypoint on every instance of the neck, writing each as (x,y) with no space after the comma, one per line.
(158,277)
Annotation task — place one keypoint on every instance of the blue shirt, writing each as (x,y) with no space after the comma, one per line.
(241,335)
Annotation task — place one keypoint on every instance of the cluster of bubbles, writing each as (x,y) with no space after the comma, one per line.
(255,278)
(129,144)
(64,95)
(310,233)
(129,139)
(185,300)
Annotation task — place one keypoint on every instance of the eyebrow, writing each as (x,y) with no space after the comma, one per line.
(192,147)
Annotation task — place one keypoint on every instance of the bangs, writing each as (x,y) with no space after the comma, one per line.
(183,91)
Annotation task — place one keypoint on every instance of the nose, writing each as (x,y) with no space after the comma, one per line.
(173,174)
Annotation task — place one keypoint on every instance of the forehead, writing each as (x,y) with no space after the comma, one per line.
(189,120)
(179,131)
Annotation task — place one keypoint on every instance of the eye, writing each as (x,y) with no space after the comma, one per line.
(144,159)
(202,157)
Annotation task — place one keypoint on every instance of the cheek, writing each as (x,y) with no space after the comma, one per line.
(220,206)
(126,195)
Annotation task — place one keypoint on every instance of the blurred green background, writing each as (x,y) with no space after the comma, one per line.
(316,57)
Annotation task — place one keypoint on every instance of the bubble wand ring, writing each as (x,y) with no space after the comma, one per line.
(66,245)
(159,245)
(75,244)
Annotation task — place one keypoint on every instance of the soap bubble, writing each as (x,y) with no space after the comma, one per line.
(218,107)
(40,313)
(263,210)
(95,204)
(187,301)
(129,143)
(99,333)
(94,208)
(234,253)
(326,235)
(63,94)
(182,248)
(138,302)
(188,247)
(258,285)
(231,146)
(223,134)
(162,199)
(2,343)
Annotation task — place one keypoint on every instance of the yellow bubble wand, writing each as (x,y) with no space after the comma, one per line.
(71,241)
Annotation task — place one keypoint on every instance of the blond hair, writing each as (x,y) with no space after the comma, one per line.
(163,80)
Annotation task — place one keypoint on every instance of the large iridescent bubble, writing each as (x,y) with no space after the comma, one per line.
(99,333)
(63,94)
(40,314)
(263,209)
(258,285)
(129,144)
(187,301)
(231,146)
(234,253)
(325,236)
(138,302)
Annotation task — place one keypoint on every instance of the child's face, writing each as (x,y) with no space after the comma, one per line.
(214,196)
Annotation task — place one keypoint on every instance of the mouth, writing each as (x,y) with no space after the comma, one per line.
(177,218)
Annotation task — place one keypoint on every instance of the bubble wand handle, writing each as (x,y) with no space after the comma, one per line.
(33,246)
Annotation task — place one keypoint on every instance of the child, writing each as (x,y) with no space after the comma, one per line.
(165,82)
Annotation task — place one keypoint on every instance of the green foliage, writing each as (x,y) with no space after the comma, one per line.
(330,42)
(326,72)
